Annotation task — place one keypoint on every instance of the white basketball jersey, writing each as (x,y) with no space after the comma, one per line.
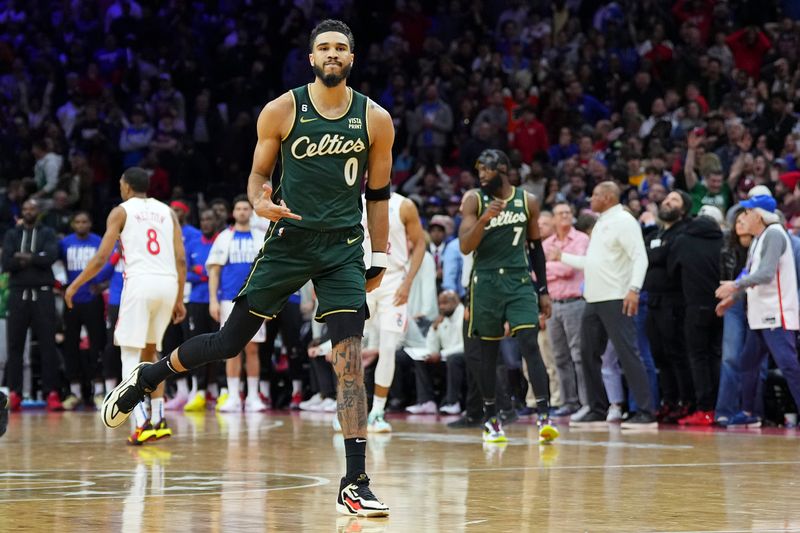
(147,238)
(397,250)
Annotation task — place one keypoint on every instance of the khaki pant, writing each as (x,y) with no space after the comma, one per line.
(550,364)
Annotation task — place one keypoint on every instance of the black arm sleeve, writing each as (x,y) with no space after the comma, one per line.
(538,262)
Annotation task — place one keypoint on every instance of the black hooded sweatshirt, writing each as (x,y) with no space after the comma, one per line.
(659,282)
(695,256)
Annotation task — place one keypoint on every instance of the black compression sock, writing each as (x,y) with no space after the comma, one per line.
(355,450)
(489,409)
(542,406)
(154,374)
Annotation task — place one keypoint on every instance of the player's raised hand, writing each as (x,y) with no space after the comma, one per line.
(178,312)
(495,208)
(266,208)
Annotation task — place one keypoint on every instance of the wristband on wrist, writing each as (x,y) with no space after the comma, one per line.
(380,260)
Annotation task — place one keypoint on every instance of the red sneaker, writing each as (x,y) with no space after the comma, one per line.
(698,418)
(677,413)
(54,402)
(14,402)
(297,397)
(266,401)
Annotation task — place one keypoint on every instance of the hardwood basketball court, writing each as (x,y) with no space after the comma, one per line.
(280,472)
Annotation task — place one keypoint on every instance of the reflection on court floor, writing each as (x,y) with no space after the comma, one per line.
(278,472)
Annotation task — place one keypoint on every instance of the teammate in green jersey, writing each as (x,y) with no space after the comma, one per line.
(500,225)
(327,136)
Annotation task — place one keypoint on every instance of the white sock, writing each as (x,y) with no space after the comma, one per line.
(98,388)
(130,358)
(156,410)
(213,389)
(75,389)
(297,386)
(183,387)
(110,384)
(378,404)
(263,387)
(252,387)
(233,388)
(194,386)
(384,369)
(140,414)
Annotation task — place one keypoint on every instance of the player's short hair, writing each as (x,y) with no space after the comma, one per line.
(241,198)
(137,178)
(331,25)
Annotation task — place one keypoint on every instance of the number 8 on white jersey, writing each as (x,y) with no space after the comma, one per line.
(147,238)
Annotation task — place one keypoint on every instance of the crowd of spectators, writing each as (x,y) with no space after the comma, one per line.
(692,95)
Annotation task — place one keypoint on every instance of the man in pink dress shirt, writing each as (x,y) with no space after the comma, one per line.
(564,326)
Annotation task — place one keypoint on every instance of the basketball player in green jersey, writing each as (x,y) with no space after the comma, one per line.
(327,136)
(500,225)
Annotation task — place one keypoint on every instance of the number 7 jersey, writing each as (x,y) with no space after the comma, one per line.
(323,161)
(504,242)
(147,238)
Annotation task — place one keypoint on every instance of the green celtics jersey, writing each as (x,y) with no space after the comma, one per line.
(323,161)
(504,239)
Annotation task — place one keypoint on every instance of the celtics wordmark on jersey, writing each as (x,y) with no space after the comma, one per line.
(504,242)
(324,161)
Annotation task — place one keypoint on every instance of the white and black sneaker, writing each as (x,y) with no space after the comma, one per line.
(119,403)
(355,499)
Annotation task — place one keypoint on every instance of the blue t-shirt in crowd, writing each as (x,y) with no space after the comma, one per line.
(196,256)
(76,253)
(241,254)
(190,233)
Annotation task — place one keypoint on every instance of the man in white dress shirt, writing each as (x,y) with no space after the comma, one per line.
(614,268)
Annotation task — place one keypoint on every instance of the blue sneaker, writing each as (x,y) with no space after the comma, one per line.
(526,411)
(743,420)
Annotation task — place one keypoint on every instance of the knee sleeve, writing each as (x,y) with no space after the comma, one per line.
(228,342)
(343,326)
(130,358)
(384,370)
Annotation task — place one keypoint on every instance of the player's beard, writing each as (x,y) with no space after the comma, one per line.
(332,80)
(493,185)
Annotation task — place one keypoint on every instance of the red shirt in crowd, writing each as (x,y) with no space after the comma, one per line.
(530,138)
(748,58)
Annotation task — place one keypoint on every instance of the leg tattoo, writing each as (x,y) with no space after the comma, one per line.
(350,395)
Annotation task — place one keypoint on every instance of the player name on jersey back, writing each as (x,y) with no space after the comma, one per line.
(147,238)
